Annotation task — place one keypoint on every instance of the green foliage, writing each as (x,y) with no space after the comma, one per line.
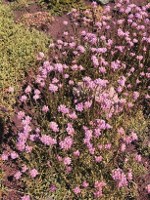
(18,48)
(20,4)
(138,122)
(61,6)
(3,189)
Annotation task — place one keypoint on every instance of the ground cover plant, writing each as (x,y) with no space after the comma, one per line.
(81,126)
(18,49)
(62,6)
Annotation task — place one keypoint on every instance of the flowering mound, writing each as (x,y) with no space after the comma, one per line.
(77,136)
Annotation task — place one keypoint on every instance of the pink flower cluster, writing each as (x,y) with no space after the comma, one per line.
(81,98)
(98,187)
(120,178)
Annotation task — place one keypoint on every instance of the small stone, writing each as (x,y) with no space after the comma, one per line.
(103,1)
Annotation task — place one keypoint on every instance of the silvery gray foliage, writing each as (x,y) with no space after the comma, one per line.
(103,1)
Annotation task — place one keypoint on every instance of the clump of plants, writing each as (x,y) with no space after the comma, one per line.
(18,48)
(75,139)
(62,6)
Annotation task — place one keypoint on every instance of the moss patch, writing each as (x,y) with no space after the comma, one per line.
(18,48)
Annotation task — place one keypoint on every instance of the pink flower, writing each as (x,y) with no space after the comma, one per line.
(45,109)
(81,49)
(72,115)
(4,156)
(71,82)
(102,70)
(75,67)
(59,158)
(40,56)
(83,33)
(123,147)
(87,104)
(36,91)
(33,173)
(59,67)
(130,104)
(100,147)
(11,89)
(136,95)
(63,108)
(55,80)
(99,186)
(53,188)
(121,131)
(65,23)
(68,169)
(103,37)
(54,127)
(85,184)
(67,161)
(66,76)
(129,175)
(26,197)
(98,159)
(27,120)
(115,65)
(140,57)
(97,132)
(65,33)
(47,140)
(20,145)
(17,175)
(24,168)
(127,139)
(27,129)
(76,153)
(14,155)
(108,146)
(70,130)
(36,97)
(67,143)
(134,136)
(122,81)
(95,61)
(138,158)
(28,89)
(77,190)
(119,176)
(120,32)
(53,88)
(21,115)
(148,188)
(79,107)
(23,98)
(28,149)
